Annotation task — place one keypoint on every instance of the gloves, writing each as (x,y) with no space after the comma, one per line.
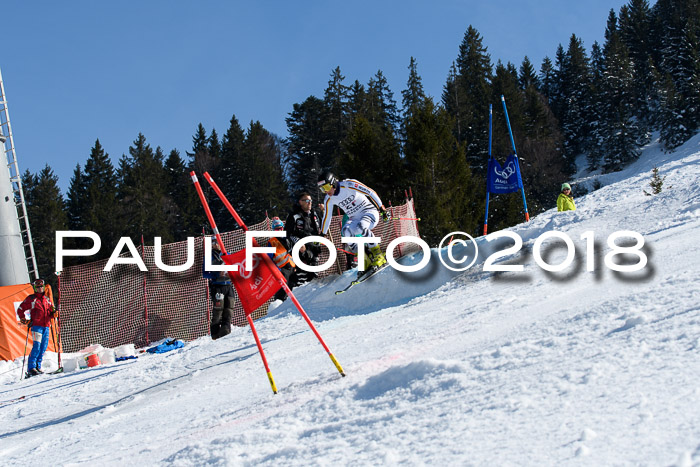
(24,321)
(386,216)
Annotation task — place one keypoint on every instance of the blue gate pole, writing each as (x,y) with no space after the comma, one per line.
(515,153)
(486,216)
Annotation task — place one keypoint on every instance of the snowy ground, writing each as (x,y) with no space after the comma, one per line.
(478,368)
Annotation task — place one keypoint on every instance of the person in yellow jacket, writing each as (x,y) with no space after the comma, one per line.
(283,258)
(565,202)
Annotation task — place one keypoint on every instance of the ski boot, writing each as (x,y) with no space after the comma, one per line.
(368,265)
(377,257)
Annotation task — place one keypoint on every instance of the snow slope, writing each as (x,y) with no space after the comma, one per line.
(474,368)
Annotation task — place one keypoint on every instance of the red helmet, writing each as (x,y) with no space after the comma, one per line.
(38,283)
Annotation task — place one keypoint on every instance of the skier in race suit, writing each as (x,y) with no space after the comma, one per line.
(363,208)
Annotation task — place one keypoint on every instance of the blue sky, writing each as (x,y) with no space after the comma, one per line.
(81,70)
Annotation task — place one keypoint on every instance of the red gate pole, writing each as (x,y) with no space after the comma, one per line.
(145,290)
(223,250)
(393,224)
(275,270)
(330,232)
(206,288)
(413,204)
(58,319)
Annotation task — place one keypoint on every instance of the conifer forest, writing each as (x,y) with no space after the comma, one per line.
(603,101)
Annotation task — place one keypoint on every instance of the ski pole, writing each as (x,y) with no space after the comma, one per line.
(58,324)
(29,326)
(53,338)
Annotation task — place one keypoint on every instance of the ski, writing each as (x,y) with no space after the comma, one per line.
(12,400)
(370,273)
(60,370)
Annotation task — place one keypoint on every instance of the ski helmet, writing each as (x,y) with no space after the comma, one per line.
(38,283)
(326,182)
(277,224)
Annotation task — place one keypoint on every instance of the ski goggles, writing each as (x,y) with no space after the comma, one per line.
(325,187)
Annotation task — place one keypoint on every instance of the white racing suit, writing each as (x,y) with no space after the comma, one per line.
(360,203)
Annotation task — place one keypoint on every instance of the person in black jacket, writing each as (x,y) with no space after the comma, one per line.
(221,292)
(305,221)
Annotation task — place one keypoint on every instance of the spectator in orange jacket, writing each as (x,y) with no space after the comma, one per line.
(283,258)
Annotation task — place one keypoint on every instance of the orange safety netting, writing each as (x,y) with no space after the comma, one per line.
(126,305)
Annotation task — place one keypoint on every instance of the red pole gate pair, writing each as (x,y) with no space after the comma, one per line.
(267,263)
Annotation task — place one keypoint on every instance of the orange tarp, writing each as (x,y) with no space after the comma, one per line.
(13,334)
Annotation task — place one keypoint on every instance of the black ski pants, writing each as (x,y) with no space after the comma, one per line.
(222,297)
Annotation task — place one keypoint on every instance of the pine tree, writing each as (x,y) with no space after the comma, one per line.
(466,97)
(335,121)
(76,200)
(184,212)
(372,156)
(557,99)
(202,160)
(358,99)
(596,146)
(100,185)
(47,213)
(372,151)
(413,96)
(214,145)
(232,173)
(676,26)
(305,156)
(575,101)
(547,79)
(505,83)
(624,136)
(656,183)
(540,145)
(634,28)
(382,106)
(671,118)
(446,194)
(527,76)
(142,193)
(76,213)
(265,190)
